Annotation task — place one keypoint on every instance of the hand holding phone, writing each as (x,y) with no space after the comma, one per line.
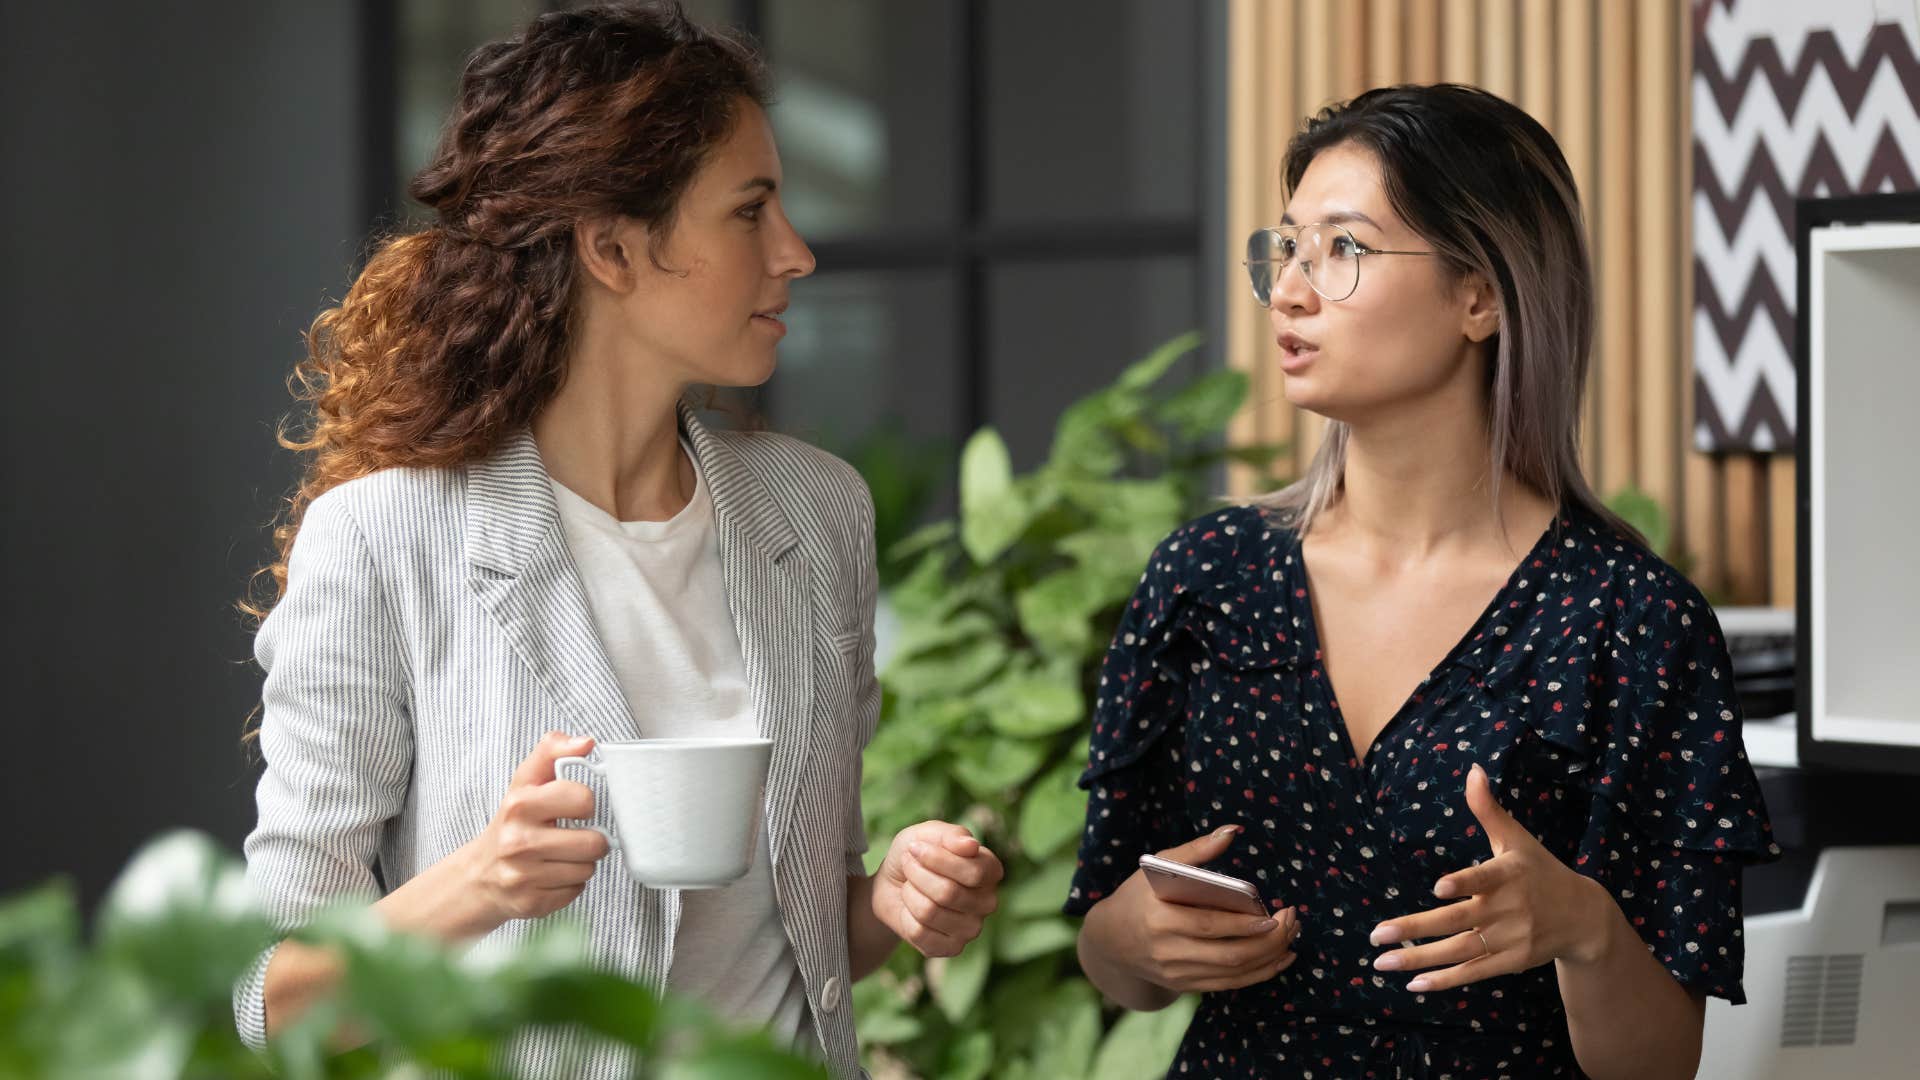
(1178,883)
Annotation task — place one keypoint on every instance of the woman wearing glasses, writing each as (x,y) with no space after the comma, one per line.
(1475,745)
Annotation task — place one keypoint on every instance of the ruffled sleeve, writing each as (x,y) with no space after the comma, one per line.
(1677,810)
(1134,779)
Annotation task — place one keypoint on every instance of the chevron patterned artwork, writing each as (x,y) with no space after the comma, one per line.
(1791,98)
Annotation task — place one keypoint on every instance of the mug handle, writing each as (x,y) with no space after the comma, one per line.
(596,769)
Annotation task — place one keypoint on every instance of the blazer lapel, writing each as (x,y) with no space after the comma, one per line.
(519,567)
(771,601)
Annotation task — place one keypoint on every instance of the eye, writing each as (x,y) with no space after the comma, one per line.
(1342,247)
(1285,247)
(751,211)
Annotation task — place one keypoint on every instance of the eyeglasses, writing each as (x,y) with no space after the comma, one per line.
(1328,257)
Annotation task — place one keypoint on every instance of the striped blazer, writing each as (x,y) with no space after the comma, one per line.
(434,627)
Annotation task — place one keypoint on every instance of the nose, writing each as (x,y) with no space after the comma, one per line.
(791,257)
(1292,291)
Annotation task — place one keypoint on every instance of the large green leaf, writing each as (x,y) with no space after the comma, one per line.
(1146,372)
(1025,939)
(992,511)
(1040,701)
(1054,612)
(956,982)
(1053,812)
(1041,892)
(989,765)
(1142,1045)
(1644,513)
(1205,405)
(1069,1032)
(969,1057)
(949,669)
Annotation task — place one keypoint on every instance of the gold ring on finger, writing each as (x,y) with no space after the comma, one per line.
(1485,949)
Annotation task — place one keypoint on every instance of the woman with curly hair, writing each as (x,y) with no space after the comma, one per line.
(515,536)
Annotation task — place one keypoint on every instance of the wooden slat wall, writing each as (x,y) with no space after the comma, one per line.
(1610,78)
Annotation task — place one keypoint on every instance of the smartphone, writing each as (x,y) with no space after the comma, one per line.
(1178,883)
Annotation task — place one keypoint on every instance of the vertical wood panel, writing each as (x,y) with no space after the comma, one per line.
(1536,59)
(1781,543)
(1350,33)
(1615,255)
(1657,254)
(1459,41)
(1248,128)
(1386,41)
(1423,41)
(1698,525)
(1499,41)
(1745,492)
(1573,128)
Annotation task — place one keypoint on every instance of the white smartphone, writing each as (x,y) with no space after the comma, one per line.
(1178,883)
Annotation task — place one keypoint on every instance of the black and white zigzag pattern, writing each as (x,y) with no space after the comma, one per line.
(1790,98)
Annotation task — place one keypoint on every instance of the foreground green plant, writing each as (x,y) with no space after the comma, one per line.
(152,996)
(1004,616)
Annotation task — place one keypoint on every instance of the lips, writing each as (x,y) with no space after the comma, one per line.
(773,312)
(1296,352)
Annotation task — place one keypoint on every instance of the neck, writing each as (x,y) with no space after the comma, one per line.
(1417,478)
(611,435)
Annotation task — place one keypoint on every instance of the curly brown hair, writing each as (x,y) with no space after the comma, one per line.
(455,336)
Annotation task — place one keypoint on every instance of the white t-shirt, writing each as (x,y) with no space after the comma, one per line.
(660,606)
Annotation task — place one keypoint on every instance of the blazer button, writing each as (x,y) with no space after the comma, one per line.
(830,994)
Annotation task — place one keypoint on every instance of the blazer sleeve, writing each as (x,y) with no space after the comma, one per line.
(335,732)
(866,694)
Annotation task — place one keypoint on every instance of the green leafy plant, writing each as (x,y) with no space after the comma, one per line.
(151,997)
(1003,618)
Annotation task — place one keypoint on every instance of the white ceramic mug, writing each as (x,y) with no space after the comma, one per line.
(686,812)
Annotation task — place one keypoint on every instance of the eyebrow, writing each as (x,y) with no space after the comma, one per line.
(1338,217)
(763,182)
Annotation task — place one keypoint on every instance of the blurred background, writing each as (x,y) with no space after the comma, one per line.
(1009,202)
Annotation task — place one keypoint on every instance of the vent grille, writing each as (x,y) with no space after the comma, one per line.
(1823,1000)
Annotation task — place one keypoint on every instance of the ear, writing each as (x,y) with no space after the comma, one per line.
(1480,310)
(608,248)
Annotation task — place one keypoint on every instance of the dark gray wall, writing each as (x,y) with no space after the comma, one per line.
(180,192)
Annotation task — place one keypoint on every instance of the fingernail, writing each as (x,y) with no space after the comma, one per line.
(1476,768)
(1385,934)
(1389,962)
(1264,925)
(1419,985)
(916,849)
(1226,830)
(1444,889)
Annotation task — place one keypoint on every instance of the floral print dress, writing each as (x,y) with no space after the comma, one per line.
(1595,689)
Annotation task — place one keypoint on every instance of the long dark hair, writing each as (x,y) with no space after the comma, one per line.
(1487,186)
(456,335)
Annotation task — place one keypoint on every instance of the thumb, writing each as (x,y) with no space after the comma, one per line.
(1204,849)
(1502,831)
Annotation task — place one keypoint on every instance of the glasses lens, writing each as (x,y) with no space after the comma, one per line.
(1331,260)
(1260,266)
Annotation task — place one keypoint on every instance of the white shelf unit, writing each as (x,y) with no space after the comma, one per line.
(1862,367)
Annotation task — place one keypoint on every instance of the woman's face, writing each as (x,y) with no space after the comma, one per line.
(713,315)
(1409,325)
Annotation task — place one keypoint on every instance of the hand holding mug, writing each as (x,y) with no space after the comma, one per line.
(524,865)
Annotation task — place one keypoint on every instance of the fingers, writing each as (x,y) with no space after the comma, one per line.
(1438,922)
(929,941)
(958,925)
(537,767)
(1204,849)
(1476,880)
(1198,922)
(1218,983)
(548,802)
(1461,948)
(1233,955)
(947,890)
(978,871)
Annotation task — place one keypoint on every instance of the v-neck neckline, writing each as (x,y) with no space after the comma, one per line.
(1310,623)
